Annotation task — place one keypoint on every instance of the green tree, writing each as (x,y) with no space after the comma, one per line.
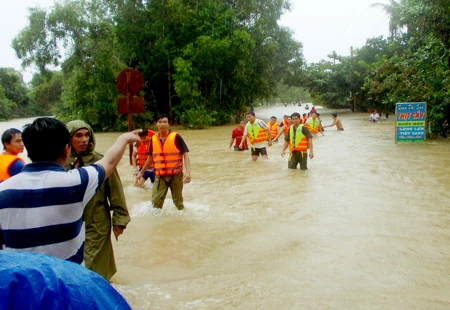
(6,106)
(394,10)
(222,55)
(78,36)
(15,90)
(46,92)
(213,55)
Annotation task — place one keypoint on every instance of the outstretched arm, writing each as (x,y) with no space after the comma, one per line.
(147,164)
(332,124)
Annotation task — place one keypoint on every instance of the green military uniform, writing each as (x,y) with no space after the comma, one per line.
(98,250)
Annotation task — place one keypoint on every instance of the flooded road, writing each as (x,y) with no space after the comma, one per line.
(366,227)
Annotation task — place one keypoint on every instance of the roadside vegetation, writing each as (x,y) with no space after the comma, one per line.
(206,62)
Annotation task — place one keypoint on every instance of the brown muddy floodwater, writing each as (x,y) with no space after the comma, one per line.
(366,227)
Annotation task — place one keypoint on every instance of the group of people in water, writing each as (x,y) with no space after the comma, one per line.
(69,201)
(298,132)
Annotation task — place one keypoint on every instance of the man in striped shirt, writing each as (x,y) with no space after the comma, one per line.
(41,208)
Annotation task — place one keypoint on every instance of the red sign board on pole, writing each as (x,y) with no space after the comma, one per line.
(137,106)
(129,82)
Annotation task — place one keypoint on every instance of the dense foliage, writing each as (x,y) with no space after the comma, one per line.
(203,62)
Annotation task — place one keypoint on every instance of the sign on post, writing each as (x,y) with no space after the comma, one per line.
(410,121)
(129,82)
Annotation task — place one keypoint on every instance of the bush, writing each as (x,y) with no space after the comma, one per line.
(197,118)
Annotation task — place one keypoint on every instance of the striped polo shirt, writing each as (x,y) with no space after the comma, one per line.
(41,209)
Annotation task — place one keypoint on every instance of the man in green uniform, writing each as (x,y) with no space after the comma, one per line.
(299,140)
(98,250)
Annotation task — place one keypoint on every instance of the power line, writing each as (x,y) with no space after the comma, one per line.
(382,23)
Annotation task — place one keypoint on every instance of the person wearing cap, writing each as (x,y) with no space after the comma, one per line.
(169,153)
(140,155)
(10,163)
(98,249)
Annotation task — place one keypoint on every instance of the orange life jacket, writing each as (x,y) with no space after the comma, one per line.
(273,130)
(256,133)
(313,125)
(142,151)
(298,141)
(303,120)
(142,154)
(167,157)
(6,161)
(286,126)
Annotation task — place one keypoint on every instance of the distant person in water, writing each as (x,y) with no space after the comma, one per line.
(273,126)
(374,117)
(287,121)
(313,124)
(237,134)
(336,122)
(304,118)
(306,107)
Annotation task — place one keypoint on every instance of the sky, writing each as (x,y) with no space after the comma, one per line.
(321,25)
(324,26)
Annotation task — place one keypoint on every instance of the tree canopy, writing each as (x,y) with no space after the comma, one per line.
(205,62)
(202,61)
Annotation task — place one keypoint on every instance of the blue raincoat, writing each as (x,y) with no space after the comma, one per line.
(36,281)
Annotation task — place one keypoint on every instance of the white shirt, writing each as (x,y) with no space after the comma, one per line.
(374,117)
(41,209)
